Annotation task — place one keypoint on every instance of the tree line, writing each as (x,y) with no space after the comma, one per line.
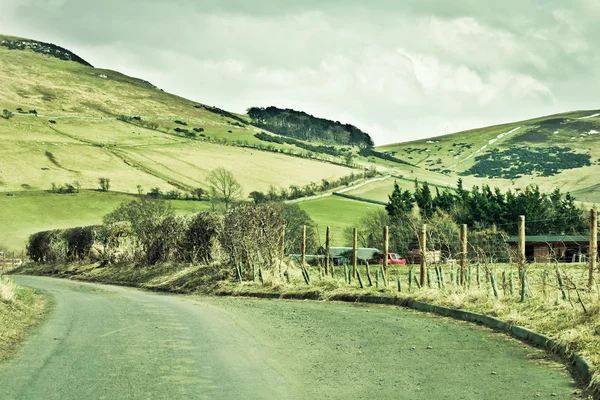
(554,212)
(300,125)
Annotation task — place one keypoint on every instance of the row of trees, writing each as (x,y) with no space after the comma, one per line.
(310,189)
(300,125)
(490,214)
(483,206)
(147,231)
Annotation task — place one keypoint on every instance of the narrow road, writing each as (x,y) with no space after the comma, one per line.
(107,342)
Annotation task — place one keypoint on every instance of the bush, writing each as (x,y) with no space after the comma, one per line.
(251,234)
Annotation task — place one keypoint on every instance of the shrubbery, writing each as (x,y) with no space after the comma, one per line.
(147,232)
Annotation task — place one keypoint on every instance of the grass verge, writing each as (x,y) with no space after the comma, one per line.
(572,321)
(20,309)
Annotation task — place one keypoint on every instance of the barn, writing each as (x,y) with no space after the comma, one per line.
(550,248)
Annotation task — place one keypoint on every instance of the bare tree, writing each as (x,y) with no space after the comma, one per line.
(224,186)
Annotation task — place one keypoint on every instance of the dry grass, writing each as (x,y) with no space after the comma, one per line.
(20,309)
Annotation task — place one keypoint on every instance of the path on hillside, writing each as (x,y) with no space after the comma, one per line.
(106,342)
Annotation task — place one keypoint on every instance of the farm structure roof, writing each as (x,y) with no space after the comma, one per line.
(551,239)
(362,253)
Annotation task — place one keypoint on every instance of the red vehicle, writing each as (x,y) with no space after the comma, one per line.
(393,259)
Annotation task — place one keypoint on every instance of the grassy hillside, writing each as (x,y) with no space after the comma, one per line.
(63,124)
(560,150)
(63,121)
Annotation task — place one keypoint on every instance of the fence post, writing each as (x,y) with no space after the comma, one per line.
(521,254)
(386,248)
(593,250)
(282,242)
(327,250)
(303,257)
(522,273)
(463,253)
(423,243)
(354,252)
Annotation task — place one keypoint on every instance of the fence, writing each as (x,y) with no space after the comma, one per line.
(9,261)
(517,267)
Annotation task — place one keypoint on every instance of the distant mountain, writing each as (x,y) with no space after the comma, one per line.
(300,125)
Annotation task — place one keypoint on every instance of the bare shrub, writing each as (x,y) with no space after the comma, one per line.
(251,235)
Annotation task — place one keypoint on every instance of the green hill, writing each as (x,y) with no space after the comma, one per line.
(561,150)
(65,122)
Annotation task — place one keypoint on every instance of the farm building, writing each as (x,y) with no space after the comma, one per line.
(550,248)
(362,253)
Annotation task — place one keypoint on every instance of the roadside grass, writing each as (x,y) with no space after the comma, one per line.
(573,320)
(28,212)
(20,309)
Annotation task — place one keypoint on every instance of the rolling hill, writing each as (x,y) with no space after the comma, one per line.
(64,122)
(561,150)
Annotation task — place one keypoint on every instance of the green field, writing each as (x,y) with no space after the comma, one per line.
(29,212)
(337,213)
(76,134)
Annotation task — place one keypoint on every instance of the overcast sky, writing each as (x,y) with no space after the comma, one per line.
(399,70)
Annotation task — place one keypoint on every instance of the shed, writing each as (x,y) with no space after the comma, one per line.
(362,253)
(548,248)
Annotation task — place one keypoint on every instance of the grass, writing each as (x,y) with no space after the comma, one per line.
(457,151)
(336,212)
(574,322)
(20,309)
(33,211)
(87,141)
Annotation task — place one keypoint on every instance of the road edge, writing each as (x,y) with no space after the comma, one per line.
(581,365)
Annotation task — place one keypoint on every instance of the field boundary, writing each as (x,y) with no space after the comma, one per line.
(364,200)
(581,366)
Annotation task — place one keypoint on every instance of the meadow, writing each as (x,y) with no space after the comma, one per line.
(28,212)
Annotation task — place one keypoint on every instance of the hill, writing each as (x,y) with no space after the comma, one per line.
(65,121)
(561,150)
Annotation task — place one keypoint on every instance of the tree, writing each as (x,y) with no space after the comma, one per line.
(104,184)
(199,193)
(258,197)
(145,217)
(295,218)
(224,186)
(7,114)
(400,202)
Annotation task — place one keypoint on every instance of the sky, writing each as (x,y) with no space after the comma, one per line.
(398,70)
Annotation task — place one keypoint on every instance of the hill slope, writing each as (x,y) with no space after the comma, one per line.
(66,121)
(560,150)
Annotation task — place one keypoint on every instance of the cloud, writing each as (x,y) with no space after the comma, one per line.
(399,70)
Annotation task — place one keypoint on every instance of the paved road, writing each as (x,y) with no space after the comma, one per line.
(106,342)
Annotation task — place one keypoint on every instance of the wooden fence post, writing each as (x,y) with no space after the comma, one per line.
(521,250)
(423,243)
(354,252)
(386,248)
(522,274)
(303,256)
(463,254)
(327,250)
(282,242)
(593,250)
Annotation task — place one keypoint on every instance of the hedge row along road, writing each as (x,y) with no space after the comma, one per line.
(108,342)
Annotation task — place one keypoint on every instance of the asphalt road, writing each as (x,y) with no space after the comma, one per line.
(107,342)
